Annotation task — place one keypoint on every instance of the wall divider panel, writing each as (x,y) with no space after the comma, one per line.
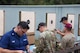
(51,21)
(2,22)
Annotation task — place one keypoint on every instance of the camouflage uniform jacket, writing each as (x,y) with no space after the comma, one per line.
(68,41)
(47,42)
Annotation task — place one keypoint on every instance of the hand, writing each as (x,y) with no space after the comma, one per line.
(29,51)
(58,31)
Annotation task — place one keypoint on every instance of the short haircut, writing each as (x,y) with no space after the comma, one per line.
(63,18)
(23,24)
(41,24)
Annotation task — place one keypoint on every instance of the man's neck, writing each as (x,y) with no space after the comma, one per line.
(45,29)
(68,32)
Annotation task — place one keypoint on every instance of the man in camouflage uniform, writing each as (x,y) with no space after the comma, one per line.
(68,38)
(47,41)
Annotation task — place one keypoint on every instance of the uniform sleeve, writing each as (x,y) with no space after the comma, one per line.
(4,42)
(27,39)
(71,42)
(40,43)
(63,43)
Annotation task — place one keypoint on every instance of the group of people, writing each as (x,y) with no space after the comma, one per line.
(15,41)
(48,40)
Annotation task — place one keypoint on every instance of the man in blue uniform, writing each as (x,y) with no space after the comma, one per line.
(15,41)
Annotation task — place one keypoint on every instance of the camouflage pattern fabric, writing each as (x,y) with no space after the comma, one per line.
(47,42)
(68,41)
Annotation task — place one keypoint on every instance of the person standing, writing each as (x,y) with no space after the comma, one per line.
(68,38)
(15,41)
(47,41)
(64,20)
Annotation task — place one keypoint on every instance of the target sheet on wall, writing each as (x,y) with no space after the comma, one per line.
(1,22)
(71,19)
(30,18)
(51,21)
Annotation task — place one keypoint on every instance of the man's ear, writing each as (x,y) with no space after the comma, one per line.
(18,27)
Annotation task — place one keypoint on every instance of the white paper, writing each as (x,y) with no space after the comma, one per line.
(29,16)
(1,22)
(71,19)
(51,21)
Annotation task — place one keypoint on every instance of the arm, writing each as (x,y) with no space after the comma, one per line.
(27,45)
(28,49)
(61,33)
(63,43)
(4,42)
(10,51)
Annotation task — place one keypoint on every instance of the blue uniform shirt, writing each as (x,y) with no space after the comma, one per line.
(13,41)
